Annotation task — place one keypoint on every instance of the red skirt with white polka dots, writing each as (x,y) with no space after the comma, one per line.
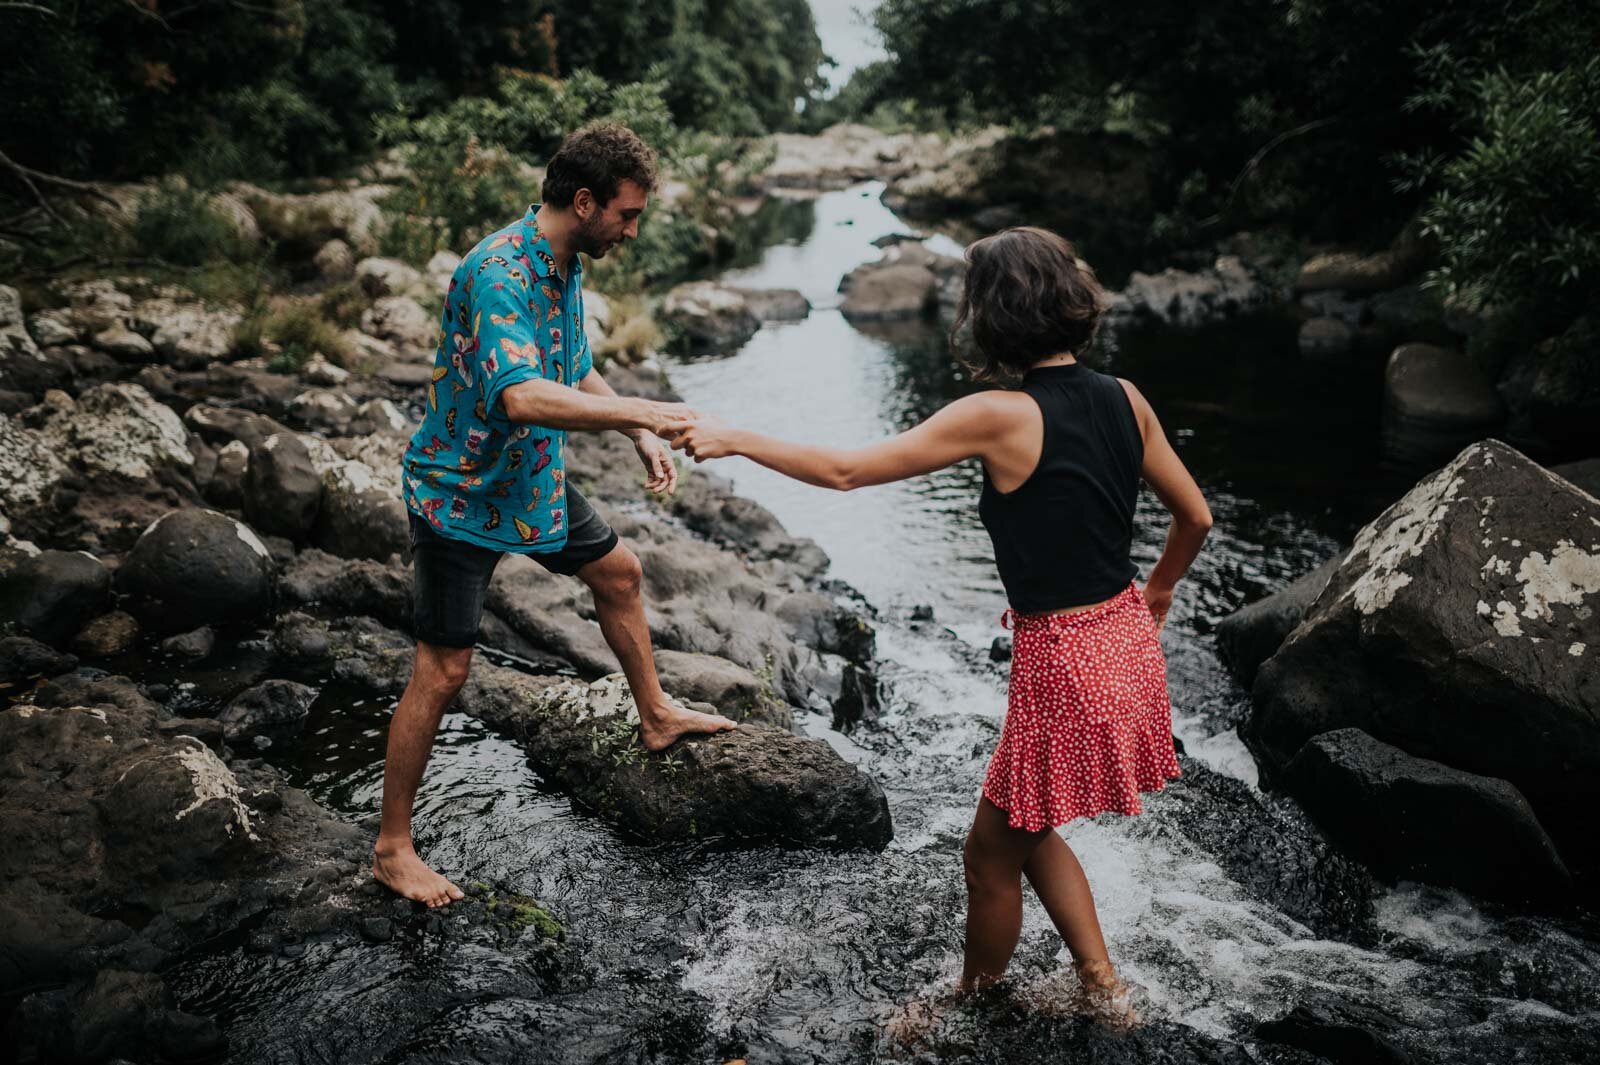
(1088,724)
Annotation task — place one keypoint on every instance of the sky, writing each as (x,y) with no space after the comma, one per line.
(847,36)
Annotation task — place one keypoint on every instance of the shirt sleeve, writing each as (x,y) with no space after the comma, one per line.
(506,336)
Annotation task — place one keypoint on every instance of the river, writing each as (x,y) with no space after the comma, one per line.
(704,953)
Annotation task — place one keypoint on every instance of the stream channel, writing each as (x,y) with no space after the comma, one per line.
(704,953)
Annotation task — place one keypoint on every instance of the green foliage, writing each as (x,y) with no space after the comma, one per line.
(521,912)
(177,224)
(292,333)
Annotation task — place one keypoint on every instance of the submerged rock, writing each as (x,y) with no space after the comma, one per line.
(1435,402)
(274,708)
(1460,628)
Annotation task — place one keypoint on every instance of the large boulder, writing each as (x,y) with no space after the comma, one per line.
(1460,628)
(899,290)
(709,316)
(774,304)
(1351,271)
(402,322)
(388,277)
(119,432)
(755,784)
(1251,635)
(1188,300)
(1436,401)
(282,488)
(188,335)
(348,587)
(196,567)
(1417,819)
(52,594)
(304,223)
(842,155)
(362,513)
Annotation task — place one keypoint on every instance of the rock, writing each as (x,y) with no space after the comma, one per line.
(1188,300)
(348,587)
(362,513)
(1326,338)
(1435,401)
(119,432)
(1343,1033)
(1459,627)
(52,594)
(14,337)
(774,304)
(108,635)
(282,488)
(191,337)
(323,409)
(273,708)
(402,322)
(1000,649)
(50,327)
(220,425)
(1251,635)
(1355,272)
(319,371)
(196,567)
(305,223)
(754,784)
(1274,852)
(123,343)
(858,699)
(1553,392)
(709,316)
(30,469)
(335,261)
(387,277)
(441,266)
(922,613)
(597,312)
(377,416)
(252,386)
(1417,819)
(226,488)
(23,659)
(708,679)
(195,644)
(842,155)
(706,504)
(894,292)
(1331,303)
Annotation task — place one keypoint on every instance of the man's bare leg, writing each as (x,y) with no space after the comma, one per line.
(436,676)
(615,581)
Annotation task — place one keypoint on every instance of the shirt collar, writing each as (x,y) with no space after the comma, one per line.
(535,242)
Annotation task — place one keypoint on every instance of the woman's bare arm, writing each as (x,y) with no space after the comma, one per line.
(1167,477)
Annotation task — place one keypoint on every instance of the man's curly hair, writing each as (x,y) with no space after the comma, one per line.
(598,157)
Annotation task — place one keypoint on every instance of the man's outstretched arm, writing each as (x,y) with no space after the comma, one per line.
(557,406)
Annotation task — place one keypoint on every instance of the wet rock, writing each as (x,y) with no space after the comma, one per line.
(377,929)
(857,700)
(223,425)
(774,304)
(1460,628)
(195,644)
(23,659)
(1251,635)
(1345,1033)
(1326,338)
(893,292)
(1435,402)
(335,261)
(1356,272)
(110,634)
(273,708)
(709,679)
(387,277)
(348,587)
(706,504)
(196,567)
(709,316)
(1188,300)
(52,594)
(1000,649)
(282,488)
(1416,819)
(754,784)
(1276,854)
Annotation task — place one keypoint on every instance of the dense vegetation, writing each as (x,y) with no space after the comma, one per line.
(1341,120)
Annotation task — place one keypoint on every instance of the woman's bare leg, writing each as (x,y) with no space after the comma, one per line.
(994,857)
(1057,878)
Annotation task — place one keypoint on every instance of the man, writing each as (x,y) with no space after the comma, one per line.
(483,473)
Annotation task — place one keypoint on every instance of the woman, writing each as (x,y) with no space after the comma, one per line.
(1088,725)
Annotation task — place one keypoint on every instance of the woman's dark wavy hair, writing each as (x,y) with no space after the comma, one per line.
(599,158)
(1027,296)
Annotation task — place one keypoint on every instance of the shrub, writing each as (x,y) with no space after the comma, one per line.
(176,224)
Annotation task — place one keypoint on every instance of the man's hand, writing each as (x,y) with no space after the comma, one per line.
(666,419)
(706,438)
(661,473)
(1159,599)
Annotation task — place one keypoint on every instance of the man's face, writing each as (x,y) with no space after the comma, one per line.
(602,228)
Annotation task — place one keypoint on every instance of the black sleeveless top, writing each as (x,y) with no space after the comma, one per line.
(1062,538)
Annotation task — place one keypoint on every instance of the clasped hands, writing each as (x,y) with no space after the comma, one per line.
(699,436)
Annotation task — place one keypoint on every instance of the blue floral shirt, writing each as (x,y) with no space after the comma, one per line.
(470,471)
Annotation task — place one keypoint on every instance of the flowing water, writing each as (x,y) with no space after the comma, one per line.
(704,953)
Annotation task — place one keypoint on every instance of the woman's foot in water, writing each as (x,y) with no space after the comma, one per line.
(1105,996)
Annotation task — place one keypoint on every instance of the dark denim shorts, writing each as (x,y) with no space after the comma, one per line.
(450,578)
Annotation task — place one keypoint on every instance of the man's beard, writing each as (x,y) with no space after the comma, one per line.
(590,239)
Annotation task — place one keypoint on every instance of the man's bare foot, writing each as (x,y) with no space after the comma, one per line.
(670,722)
(398,868)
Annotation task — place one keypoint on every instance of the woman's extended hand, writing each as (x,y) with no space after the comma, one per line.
(1159,599)
(706,437)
